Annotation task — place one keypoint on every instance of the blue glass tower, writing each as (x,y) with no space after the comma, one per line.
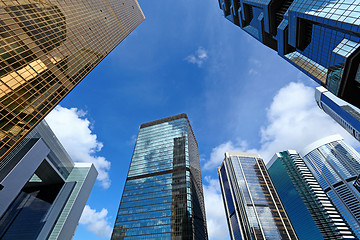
(163,194)
(319,37)
(312,213)
(357,183)
(347,115)
(252,206)
(336,166)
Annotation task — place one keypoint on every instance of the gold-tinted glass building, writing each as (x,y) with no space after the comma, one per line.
(46,48)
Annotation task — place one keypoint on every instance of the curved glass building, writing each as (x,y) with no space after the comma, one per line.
(312,213)
(336,166)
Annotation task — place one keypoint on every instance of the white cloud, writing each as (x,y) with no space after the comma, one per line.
(293,122)
(96,222)
(217,154)
(254,65)
(215,212)
(75,133)
(132,140)
(252,71)
(255,62)
(198,58)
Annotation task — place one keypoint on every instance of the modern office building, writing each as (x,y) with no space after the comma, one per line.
(312,213)
(347,115)
(163,193)
(321,38)
(336,166)
(46,49)
(357,183)
(252,205)
(43,192)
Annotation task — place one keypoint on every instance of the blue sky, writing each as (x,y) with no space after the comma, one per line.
(185,57)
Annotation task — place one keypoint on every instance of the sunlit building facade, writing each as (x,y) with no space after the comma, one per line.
(347,115)
(252,205)
(43,192)
(312,213)
(319,37)
(336,167)
(46,48)
(163,194)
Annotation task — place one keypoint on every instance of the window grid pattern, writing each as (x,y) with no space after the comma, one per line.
(334,35)
(162,198)
(345,212)
(308,65)
(342,165)
(328,48)
(347,11)
(349,154)
(343,169)
(46,49)
(321,37)
(322,209)
(78,175)
(346,47)
(257,203)
(325,171)
(345,119)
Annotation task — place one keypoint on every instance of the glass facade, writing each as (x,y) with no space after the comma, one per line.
(312,213)
(24,218)
(46,49)
(357,183)
(336,166)
(57,156)
(44,191)
(319,37)
(83,175)
(163,196)
(32,210)
(347,115)
(252,205)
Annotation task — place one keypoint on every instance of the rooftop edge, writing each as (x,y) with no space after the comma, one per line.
(164,120)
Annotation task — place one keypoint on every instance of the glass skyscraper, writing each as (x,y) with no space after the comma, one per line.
(319,37)
(312,213)
(357,183)
(336,166)
(163,194)
(46,49)
(43,192)
(252,205)
(347,115)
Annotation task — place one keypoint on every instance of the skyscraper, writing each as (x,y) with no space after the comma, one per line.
(163,194)
(321,38)
(311,211)
(357,183)
(43,192)
(347,115)
(252,205)
(46,49)
(336,166)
